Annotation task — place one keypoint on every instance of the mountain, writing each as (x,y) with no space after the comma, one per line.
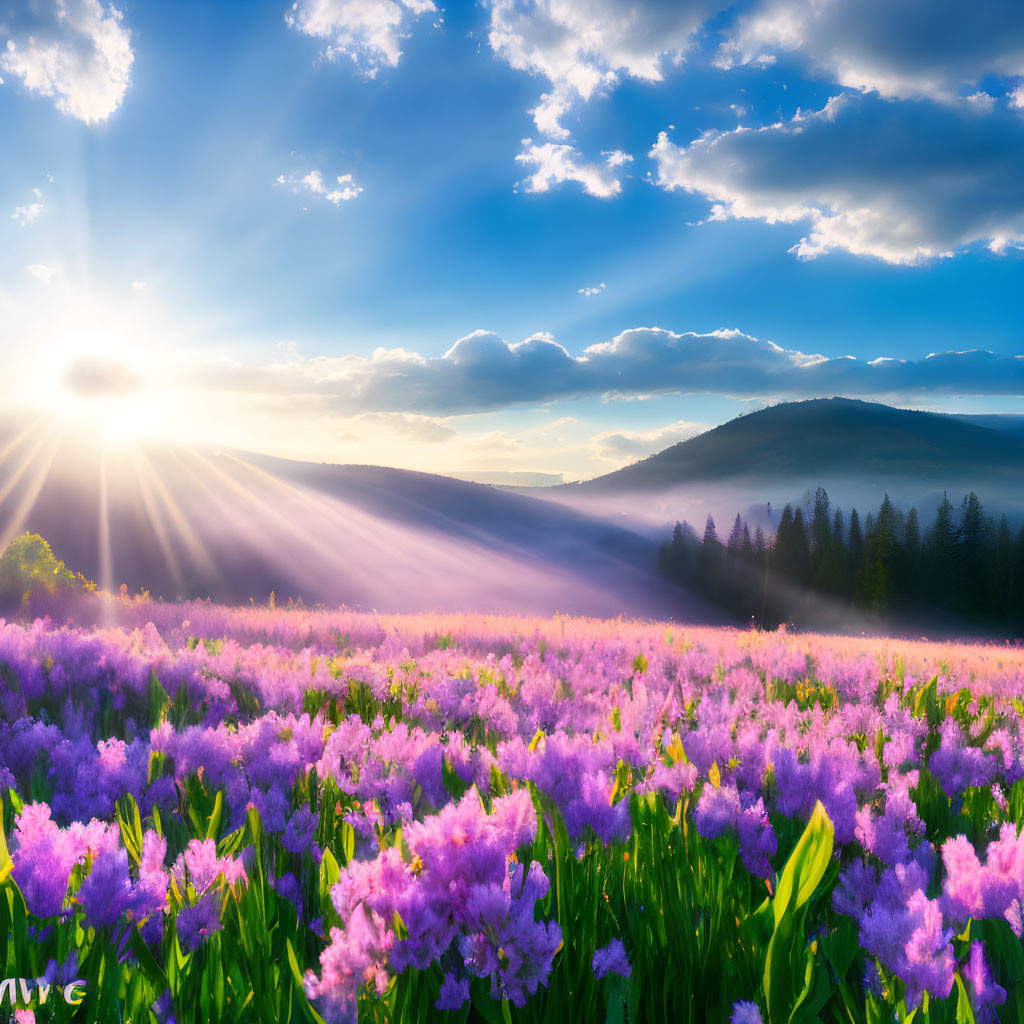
(1007,423)
(232,526)
(827,439)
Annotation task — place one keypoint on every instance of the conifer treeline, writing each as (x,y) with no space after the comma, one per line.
(964,564)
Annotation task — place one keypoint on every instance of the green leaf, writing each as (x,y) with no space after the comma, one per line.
(6,864)
(806,864)
(964,1013)
(213,825)
(148,962)
(788,958)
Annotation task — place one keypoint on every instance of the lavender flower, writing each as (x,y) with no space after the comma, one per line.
(106,892)
(611,959)
(197,922)
(745,1013)
(984,991)
(454,993)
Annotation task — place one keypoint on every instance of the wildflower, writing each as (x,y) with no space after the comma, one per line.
(106,892)
(745,1013)
(454,993)
(611,959)
(985,992)
(995,890)
(199,921)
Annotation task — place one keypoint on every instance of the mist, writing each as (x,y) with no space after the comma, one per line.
(234,527)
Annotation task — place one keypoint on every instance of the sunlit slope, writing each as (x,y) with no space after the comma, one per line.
(826,439)
(232,526)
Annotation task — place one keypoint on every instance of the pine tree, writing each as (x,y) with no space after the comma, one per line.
(854,550)
(711,563)
(801,571)
(735,541)
(973,529)
(822,546)
(939,553)
(874,582)
(1001,574)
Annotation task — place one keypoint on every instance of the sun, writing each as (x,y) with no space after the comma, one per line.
(103,373)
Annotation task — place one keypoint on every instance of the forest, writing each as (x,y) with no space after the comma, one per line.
(965,566)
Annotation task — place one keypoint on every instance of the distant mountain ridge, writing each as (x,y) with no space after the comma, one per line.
(821,439)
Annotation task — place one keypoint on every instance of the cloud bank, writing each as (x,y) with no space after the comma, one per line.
(76,52)
(903,182)
(914,48)
(482,373)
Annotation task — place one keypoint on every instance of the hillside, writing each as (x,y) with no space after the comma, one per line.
(826,439)
(235,526)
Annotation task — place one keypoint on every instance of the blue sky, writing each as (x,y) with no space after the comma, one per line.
(223,211)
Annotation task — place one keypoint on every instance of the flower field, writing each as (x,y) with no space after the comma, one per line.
(253,814)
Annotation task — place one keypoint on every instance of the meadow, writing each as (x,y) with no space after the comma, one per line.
(277,814)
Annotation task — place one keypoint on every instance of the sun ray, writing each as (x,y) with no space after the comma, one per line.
(25,465)
(16,442)
(106,558)
(178,520)
(156,520)
(32,491)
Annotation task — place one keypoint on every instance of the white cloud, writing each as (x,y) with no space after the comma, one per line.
(913,48)
(557,163)
(902,182)
(595,290)
(349,190)
(25,215)
(140,286)
(627,445)
(77,52)
(314,183)
(616,158)
(481,372)
(41,272)
(1016,98)
(582,47)
(368,32)
(404,426)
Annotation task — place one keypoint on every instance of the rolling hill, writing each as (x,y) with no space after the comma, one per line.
(826,439)
(234,526)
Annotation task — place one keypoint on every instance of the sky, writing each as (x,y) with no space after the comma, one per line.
(516,241)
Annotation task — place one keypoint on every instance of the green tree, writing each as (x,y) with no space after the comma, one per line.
(940,553)
(1001,574)
(34,581)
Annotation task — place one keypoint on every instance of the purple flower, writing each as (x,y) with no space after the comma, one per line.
(46,854)
(611,959)
(200,865)
(454,993)
(717,810)
(958,766)
(196,923)
(745,1013)
(288,887)
(995,890)
(757,840)
(985,992)
(906,931)
(300,831)
(721,808)
(886,836)
(106,892)
(150,897)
